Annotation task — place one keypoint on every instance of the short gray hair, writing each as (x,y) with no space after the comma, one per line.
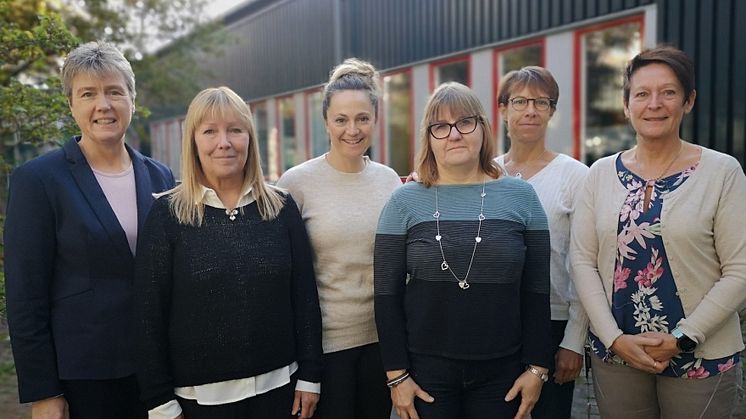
(97,58)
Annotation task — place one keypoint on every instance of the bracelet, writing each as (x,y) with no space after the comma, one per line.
(398,380)
(544,377)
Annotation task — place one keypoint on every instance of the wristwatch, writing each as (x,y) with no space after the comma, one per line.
(683,342)
(544,377)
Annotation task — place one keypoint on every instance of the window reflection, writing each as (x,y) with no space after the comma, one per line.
(262,134)
(456,71)
(397,105)
(606,52)
(319,139)
(291,154)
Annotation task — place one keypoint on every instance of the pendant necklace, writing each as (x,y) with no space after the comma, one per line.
(518,173)
(478,239)
(650,183)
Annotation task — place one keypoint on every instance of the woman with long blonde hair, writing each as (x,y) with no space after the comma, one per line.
(229,322)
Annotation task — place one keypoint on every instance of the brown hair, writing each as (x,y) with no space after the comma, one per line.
(352,74)
(458,99)
(533,77)
(676,59)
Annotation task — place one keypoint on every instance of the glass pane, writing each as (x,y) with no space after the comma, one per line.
(515,59)
(261,126)
(398,121)
(319,139)
(458,71)
(605,129)
(290,152)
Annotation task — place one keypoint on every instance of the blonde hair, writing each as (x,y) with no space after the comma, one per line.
(353,74)
(458,100)
(185,199)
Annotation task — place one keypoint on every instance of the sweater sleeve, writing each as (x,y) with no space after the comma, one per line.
(584,250)
(390,275)
(728,292)
(30,248)
(152,290)
(536,326)
(305,298)
(576,330)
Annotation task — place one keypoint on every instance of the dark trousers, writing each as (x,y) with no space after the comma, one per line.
(353,385)
(466,389)
(275,404)
(555,401)
(96,399)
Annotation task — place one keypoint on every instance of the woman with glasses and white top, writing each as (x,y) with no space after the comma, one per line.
(340,196)
(528,99)
(462,276)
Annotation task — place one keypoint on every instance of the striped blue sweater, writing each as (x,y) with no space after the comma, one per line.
(506,309)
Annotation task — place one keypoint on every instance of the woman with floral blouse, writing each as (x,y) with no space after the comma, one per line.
(659,258)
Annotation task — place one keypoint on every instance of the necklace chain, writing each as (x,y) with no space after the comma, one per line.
(518,173)
(668,166)
(478,239)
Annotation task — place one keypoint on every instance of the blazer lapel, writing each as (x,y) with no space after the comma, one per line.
(143,187)
(93,193)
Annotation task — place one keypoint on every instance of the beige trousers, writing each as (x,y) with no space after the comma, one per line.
(624,392)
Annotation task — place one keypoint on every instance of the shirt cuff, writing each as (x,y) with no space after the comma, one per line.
(168,410)
(308,387)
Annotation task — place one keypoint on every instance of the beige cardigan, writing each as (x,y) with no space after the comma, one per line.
(703,229)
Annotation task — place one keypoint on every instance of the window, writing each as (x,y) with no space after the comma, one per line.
(451,70)
(315,124)
(397,119)
(262,133)
(291,152)
(604,52)
(508,59)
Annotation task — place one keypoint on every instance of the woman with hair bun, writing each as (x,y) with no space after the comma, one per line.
(340,195)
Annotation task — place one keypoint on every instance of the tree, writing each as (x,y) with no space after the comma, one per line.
(33,110)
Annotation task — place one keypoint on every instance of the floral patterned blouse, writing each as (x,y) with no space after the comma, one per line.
(645,297)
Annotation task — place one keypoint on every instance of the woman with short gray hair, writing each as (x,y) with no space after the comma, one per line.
(70,239)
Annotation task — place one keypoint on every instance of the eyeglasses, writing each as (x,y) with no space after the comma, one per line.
(442,130)
(520,103)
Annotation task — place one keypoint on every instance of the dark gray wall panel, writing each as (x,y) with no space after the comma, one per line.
(708,32)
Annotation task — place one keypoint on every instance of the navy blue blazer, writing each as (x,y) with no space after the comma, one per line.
(69,271)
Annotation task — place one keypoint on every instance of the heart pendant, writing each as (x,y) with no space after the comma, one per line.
(464,285)
(444,266)
(478,239)
(437,237)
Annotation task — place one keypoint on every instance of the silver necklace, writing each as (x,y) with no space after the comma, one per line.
(518,173)
(477,239)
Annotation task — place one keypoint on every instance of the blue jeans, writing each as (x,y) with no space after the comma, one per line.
(466,388)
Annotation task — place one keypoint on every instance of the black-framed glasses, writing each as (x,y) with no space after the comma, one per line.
(520,103)
(466,125)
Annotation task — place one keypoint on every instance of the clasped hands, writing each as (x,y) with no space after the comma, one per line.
(649,351)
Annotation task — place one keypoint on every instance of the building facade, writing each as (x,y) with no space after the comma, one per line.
(282,51)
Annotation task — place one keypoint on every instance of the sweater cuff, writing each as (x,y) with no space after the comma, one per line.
(576,333)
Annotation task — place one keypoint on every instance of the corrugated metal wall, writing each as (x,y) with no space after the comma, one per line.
(391,33)
(707,30)
(286,46)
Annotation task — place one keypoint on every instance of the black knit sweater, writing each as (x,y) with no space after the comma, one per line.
(223,301)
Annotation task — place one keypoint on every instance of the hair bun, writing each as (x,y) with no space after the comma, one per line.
(355,67)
